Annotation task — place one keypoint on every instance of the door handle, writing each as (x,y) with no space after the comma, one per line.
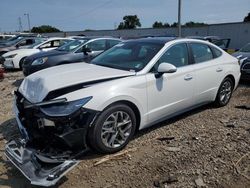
(188,77)
(219,69)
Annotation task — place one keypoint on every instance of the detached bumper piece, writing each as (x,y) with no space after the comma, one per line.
(39,169)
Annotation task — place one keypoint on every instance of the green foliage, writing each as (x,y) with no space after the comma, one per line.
(160,25)
(175,24)
(247,18)
(44,29)
(130,22)
(194,24)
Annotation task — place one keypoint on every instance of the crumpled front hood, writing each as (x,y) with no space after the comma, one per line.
(37,86)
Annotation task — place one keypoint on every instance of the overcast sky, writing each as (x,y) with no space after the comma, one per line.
(72,15)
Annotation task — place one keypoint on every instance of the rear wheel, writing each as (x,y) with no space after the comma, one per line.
(113,129)
(224,93)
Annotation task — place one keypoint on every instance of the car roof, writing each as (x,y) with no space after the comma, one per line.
(159,40)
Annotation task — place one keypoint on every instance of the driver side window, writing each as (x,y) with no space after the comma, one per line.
(177,55)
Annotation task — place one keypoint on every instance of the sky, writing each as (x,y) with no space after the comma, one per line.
(77,15)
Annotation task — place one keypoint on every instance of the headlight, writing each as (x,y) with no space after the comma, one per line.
(64,109)
(40,61)
(11,56)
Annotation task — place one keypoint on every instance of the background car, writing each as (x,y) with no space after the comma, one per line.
(222,43)
(81,49)
(19,42)
(14,59)
(244,53)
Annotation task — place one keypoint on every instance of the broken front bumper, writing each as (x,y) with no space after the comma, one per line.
(39,169)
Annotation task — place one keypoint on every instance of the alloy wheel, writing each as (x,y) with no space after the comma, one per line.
(116,129)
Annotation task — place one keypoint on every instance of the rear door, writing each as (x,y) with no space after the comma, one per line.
(208,69)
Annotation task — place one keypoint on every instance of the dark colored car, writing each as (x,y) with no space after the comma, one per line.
(18,42)
(244,55)
(222,43)
(81,49)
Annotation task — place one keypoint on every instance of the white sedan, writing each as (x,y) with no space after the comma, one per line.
(63,110)
(15,58)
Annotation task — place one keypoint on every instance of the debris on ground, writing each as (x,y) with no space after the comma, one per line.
(116,156)
(245,107)
(199,182)
(173,149)
(167,180)
(167,138)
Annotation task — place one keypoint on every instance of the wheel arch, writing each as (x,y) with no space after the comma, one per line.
(232,78)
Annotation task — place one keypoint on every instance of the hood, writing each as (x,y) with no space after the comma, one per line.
(19,51)
(37,86)
(46,54)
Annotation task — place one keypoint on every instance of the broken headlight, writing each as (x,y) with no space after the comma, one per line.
(65,108)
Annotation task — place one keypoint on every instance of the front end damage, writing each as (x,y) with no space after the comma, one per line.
(49,145)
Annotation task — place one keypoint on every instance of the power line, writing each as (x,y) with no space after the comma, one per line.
(20,27)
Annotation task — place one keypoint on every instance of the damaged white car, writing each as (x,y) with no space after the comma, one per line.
(62,111)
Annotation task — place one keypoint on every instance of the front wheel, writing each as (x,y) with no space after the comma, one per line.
(224,93)
(21,63)
(113,129)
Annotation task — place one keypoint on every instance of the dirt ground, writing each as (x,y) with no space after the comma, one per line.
(207,147)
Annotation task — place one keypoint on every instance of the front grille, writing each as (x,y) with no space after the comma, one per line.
(246,66)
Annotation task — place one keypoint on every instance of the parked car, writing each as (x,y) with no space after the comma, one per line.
(62,111)
(20,42)
(244,55)
(14,59)
(222,43)
(82,49)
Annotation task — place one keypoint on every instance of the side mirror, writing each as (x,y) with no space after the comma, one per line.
(86,50)
(165,68)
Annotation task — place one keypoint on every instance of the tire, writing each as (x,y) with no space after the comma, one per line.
(106,135)
(224,93)
(21,63)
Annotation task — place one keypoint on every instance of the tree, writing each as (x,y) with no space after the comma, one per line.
(175,24)
(130,22)
(247,18)
(44,29)
(194,24)
(160,25)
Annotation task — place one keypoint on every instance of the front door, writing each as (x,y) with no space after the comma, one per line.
(172,92)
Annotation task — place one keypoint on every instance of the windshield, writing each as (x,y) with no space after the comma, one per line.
(13,41)
(132,55)
(245,48)
(38,41)
(71,46)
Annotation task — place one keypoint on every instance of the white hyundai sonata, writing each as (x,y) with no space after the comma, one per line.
(63,110)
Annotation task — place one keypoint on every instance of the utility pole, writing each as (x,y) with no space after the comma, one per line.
(179,18)
(20,27)
(28,17)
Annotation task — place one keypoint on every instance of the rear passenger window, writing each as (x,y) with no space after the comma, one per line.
(201,52)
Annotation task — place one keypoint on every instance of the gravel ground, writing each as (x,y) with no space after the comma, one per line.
(207,147)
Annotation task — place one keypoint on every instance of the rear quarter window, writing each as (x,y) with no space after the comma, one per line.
(217,52)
